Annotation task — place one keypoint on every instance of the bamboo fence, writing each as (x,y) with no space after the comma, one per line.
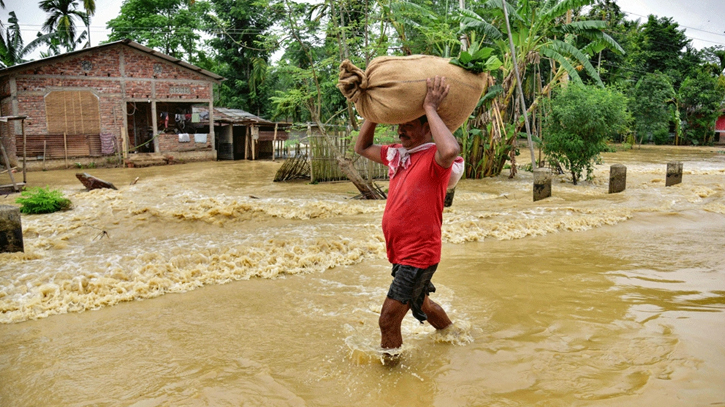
(323,163)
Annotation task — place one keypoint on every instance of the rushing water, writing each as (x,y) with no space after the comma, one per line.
(274,290)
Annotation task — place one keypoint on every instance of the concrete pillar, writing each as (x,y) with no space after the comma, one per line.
(674,173)
(11,231)
(617,178)
(542,183)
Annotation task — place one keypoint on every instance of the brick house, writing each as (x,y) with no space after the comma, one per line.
(100,101)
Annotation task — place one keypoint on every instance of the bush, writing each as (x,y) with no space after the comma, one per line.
(661,136)
(42,200)
(581,120)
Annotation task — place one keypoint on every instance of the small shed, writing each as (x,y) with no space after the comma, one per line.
(242,135)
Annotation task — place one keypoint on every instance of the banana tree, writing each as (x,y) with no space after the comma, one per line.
(547,55)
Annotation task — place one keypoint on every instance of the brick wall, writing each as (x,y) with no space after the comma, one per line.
(170,143)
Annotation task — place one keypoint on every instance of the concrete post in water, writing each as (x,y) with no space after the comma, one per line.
(449,197)
(542,183)
(674,173)
(11,231)
(617,178)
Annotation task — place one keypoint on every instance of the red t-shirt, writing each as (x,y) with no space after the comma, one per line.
(414,210)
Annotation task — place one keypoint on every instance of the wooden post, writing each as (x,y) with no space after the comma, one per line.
(274,142)
(65,149)
(155,125)
(44,149)
(309,153)
(246,144)
(25,151)
(7,164)
(124,143)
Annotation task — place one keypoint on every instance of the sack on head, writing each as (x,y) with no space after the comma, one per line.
(392,89)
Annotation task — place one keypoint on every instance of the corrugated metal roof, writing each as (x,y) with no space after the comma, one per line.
(241,115)
(236,116)
(132,44)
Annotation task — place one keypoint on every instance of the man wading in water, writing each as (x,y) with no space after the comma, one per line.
(419,175)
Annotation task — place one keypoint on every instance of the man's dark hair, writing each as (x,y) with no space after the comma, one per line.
(423,119)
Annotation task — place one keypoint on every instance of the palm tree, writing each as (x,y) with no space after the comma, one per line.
(90,7)
(61,21)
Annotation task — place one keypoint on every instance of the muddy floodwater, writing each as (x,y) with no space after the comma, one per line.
(207,284)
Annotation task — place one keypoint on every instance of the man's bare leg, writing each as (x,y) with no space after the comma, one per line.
(391,316)
(436,314)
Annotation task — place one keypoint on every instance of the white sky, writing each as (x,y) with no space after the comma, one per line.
(702,20)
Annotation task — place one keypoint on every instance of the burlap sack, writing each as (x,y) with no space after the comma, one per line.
(392,89)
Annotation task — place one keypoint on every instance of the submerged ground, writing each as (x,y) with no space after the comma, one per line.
(273,289)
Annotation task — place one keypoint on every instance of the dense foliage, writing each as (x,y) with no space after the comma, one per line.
(581,120)
(649,106)
(42,200)
(170,26)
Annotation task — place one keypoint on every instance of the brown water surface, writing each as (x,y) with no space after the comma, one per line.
(273,292)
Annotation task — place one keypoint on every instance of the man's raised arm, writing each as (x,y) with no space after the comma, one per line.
(364,144)
(446,144)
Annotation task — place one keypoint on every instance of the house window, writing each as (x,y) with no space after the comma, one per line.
(72,112)
(180,90)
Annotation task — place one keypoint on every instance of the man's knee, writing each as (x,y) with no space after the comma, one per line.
(392,314)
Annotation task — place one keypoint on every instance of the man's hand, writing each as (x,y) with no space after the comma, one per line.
(437,91)
(448,148)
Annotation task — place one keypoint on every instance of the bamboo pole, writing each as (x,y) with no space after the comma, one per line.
(25,150)
(124,142)
(80,108)
(274,143)
(65,149)
(518,85)
(246,144)
(7,164)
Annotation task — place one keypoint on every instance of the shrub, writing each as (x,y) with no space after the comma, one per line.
(661,136)
(581,120)
(42,200)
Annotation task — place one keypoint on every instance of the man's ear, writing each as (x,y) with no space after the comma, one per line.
(426,128)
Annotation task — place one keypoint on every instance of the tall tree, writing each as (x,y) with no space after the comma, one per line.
(170,26)
(611,65)
(701,99)
(90,7)
(662,47)
(649,105)
(240,31)
(61,21)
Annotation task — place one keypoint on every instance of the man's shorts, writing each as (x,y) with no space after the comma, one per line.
(411,285)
